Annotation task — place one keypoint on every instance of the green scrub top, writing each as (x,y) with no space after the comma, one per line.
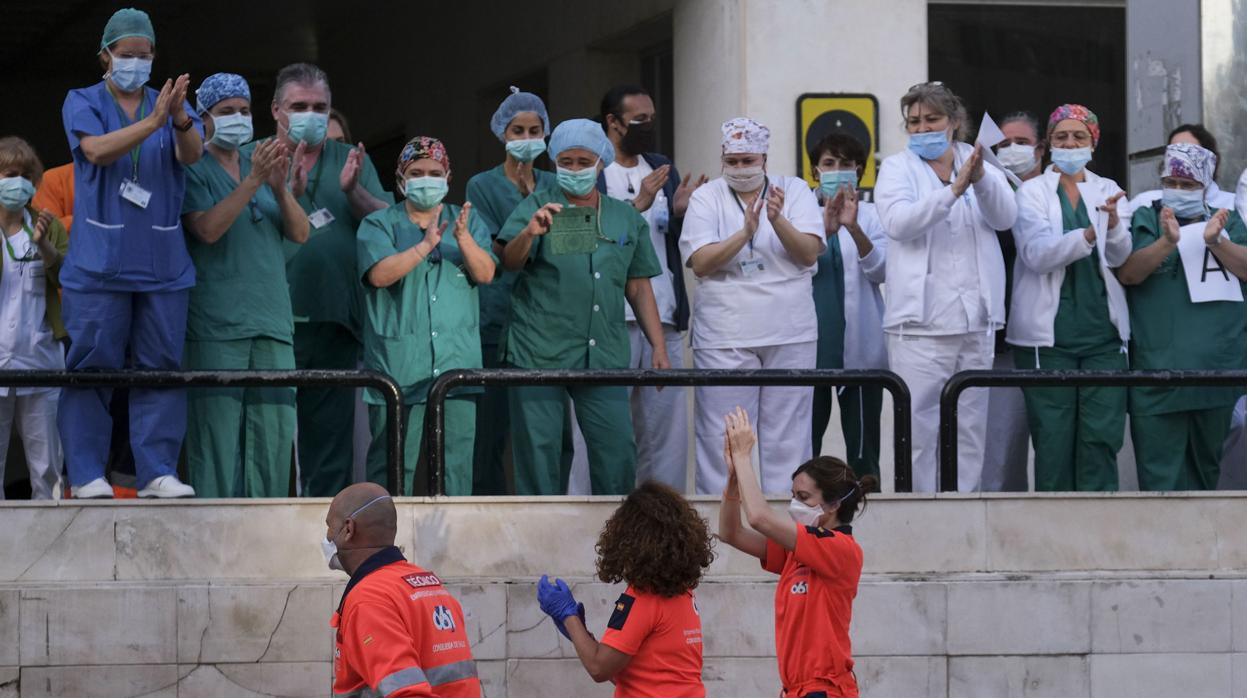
(1170,332)
(828,285)
(241,290)
(425,323)
(321,271)
(493,198)
(1082,325)
(568,310)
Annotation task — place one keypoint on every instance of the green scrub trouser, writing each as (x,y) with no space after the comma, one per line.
(326,415)
(1180,450)
(1076,432)
(460,432)
(860,408)
(239,440)
(493,427)
(539,417)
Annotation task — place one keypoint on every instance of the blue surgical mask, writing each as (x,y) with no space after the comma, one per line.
(829,182)
(426,192)
(1185,204)
(308,126)
(929,145)
(129,74)
(1071,160)
(15,192)
(526,149)
(231,130)
(578,182)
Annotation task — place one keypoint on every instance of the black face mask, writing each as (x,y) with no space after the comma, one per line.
(639,138)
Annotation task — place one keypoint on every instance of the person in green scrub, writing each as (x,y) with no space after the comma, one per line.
(579,255)
(421,315)
(337,185)
(238,211)
(1068,311)
(522,124)
(1178,433)
(847,300)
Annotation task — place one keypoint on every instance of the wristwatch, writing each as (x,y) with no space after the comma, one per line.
(186,126)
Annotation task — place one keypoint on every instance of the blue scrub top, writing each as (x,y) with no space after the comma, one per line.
(117,246)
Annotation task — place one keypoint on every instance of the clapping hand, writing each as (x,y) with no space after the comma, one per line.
(651,184)
(1216,224)
(1169,225)
(682,193)
(557,601)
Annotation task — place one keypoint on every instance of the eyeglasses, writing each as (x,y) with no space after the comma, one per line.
(933,83)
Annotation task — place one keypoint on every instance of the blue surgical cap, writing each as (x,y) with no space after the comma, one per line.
(582,133)
(517,103)
(220,86)
(125,23)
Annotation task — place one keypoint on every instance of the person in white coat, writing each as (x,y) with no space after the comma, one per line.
(941,208)
(752,241)
(847,299)
(1068,308)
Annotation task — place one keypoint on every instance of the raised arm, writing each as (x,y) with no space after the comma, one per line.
(758,513)
(730,529)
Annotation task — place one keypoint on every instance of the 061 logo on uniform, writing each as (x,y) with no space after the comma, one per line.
(443,619)
(800,588)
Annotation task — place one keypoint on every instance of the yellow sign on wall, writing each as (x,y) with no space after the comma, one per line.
(855,115)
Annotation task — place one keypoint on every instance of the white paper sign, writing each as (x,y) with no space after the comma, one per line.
(1207,279)
(989,135)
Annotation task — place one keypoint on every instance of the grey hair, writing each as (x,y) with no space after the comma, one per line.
(939,98)
(1025,117)
(300,74)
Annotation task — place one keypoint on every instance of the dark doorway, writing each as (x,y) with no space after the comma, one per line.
(1035,58)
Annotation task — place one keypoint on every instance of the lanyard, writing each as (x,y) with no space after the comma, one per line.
(313,180)
(736,197)
(29,256)
(134,154)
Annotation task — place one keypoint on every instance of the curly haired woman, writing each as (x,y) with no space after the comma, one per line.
(818,562)
(657,543)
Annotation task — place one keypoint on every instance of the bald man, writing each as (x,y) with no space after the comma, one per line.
(400,634)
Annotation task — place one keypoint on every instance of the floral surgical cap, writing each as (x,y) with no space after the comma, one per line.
(744,135)
(422,147)
(1190,161)
(1077,112)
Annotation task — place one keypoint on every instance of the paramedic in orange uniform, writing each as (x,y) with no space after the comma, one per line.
(400,634)
(817,560)
(657,543)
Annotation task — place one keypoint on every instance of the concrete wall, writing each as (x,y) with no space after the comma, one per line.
(993,596)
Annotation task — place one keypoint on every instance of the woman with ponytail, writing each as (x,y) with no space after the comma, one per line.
(818,562)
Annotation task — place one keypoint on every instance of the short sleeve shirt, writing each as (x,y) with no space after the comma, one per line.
(663,637)
(814,606)
(119,246)
(736,305)
(241,291)
(567,310)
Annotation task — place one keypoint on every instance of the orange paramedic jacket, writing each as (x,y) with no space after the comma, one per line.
(400,634)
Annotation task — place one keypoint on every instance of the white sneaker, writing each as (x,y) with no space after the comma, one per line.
(95,489)
(166,487)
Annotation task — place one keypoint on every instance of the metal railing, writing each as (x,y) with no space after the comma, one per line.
(1028,378)
(435,417)
(386,385)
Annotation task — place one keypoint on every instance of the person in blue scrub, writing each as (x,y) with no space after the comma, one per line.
(128,275)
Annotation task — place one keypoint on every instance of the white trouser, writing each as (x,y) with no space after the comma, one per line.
(1234,453)
(659,420)
(781,415)
(660,417)
(36,424)
(1005,455)
(925,364)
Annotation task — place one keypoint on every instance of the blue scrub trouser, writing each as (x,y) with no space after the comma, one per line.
(101,324)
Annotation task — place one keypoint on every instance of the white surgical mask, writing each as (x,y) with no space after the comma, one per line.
(1018,158)
(1071,161)
(330,550)
(744,179)
(803,513)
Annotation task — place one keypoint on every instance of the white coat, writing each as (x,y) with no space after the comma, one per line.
(864,347)
(1044,250)
(917,209)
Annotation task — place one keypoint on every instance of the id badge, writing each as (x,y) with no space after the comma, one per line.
(320,218)
(749,267)
(134,193)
